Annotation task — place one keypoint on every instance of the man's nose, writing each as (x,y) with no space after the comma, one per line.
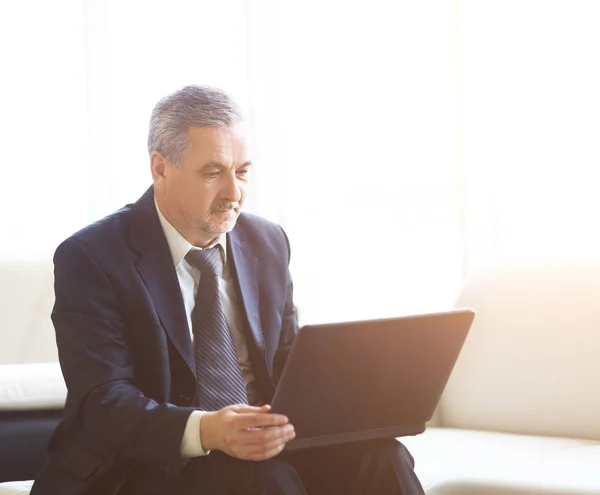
(232,190)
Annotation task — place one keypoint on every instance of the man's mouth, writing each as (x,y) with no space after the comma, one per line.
(228,210)
(232,207)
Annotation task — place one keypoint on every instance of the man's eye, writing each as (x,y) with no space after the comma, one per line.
(212,175)
(243,172)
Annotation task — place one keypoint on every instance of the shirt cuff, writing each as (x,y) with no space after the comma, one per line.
(191,443)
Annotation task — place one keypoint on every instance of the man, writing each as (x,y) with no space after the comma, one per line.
(174,317)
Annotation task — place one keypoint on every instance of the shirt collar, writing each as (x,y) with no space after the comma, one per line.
(179,245)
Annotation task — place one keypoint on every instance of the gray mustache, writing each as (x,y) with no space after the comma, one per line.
(227,206)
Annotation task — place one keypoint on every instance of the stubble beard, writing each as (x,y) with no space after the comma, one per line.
(221,227)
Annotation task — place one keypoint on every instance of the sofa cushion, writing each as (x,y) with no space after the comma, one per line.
(467,462)
(31,386)
(16,488)
(530,362)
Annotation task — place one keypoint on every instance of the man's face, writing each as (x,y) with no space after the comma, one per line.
(203,196)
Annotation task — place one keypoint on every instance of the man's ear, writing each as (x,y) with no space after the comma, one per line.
(158,166)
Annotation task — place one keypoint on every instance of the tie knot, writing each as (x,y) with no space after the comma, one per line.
(208,261)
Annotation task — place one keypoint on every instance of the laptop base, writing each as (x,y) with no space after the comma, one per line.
(354,436)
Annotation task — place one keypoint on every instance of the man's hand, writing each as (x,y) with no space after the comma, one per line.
(246,432)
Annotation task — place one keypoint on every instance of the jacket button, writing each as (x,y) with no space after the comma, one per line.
(167,470)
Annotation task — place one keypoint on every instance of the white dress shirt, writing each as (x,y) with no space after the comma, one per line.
(189,277)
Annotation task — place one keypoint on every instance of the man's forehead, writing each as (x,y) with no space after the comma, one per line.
(226,145)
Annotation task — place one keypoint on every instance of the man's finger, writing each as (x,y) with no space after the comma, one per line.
(266,450)
(265,435)
(245,408)
(245,421)
(268,453)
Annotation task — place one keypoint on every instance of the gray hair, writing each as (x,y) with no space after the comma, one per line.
(191,106)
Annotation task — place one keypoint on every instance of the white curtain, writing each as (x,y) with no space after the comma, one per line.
(530,128)
(401,144)
(80,78)
(371,180)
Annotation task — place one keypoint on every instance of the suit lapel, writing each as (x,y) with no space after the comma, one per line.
(155,266)
(245,266)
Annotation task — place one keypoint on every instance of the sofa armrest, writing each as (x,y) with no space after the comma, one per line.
(32,397)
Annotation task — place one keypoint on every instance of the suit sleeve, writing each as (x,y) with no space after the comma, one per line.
(289,321)
(96,363)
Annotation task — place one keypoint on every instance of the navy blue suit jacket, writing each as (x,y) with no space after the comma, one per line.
(125,347)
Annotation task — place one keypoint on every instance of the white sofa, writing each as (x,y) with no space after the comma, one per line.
(32,391)
(520,414)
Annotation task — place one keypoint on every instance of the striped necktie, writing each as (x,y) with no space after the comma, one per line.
(220,381)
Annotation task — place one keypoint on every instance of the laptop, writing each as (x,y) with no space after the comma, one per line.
(362,380)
